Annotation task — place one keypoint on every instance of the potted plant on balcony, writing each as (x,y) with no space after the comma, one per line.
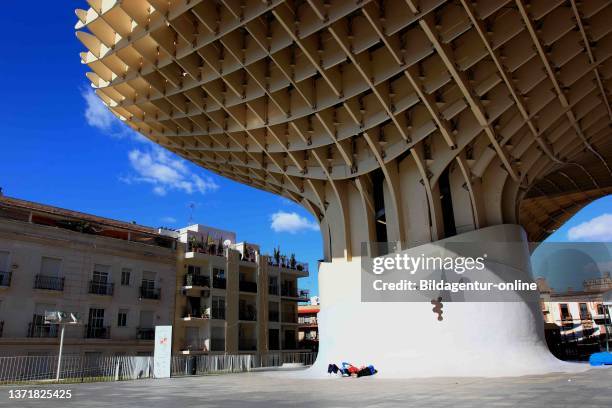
(205,312)
(300,267)
(277,256)
(193,243)
(292,261)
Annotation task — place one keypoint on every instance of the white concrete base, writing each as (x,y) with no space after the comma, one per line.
(405,340)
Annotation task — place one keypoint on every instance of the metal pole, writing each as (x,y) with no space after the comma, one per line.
(59,357)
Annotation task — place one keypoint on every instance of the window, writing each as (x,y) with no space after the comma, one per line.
(50,267)
(218,273)
(125,276)
(101,274)
(193,270)
(148,280)
(122,318)
(600,309)
(564,311)
(218,307)
(584,312)
(96,317)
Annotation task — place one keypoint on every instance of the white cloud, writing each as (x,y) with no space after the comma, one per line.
(100,117)
(96,113)
(291,222)
(597,229)
(165,173)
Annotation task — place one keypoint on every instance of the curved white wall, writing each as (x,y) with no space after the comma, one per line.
(406,340)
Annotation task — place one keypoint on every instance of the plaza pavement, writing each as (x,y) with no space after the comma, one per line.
(263,389)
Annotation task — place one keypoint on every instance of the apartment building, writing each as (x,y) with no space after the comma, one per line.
(308,336)
(577,322)
(123,279)
(118,277)
(231,297)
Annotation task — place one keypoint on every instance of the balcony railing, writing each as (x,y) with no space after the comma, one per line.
(43,330)
(145,333)
(196,280)
(247,314)
(196,312)
(286,263)
(100,288)
(217,344)
(247,344)
(5,278)
(48,282)
(273,316)
(246,286)
(218,313)
(149,293)
(273,290)
(97,332)
(219,283)
(195,345)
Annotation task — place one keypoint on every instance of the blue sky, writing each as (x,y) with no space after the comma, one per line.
(59,147)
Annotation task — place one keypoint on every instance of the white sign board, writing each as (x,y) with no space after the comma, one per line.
(163,351)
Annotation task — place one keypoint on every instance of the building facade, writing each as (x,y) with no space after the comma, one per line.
(232,298)
(117,276)
(123,279)
(308,326)
(577,323)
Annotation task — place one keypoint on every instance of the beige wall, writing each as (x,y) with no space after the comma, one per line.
(28,243)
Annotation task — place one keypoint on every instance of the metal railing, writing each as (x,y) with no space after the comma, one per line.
(96,332)
(145,333)
(247,314)
(86,368)
(196,280)
(41,330)
(48,282)
(5,278)
(30,369)
(246,286)
(219,283)
(150,293)
(101,288)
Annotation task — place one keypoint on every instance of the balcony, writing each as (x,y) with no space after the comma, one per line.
(196,313)
(49,282)
(219,283)
(273,315)
(195,346)
(273,290)
(288,291)
(97,332)
(5,279)
(248,314)
(218,313)
(196,280)
(247,344)
(37,330)
(246,286)
(101,288)
(145,333)
(147,292)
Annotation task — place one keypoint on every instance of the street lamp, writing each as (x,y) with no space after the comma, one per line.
(62,319)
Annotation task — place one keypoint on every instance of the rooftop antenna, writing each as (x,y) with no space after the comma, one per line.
(191,206)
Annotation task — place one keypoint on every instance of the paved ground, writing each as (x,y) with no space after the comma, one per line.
(589,389)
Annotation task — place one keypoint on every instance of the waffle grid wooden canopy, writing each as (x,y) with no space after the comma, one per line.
(427,117)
